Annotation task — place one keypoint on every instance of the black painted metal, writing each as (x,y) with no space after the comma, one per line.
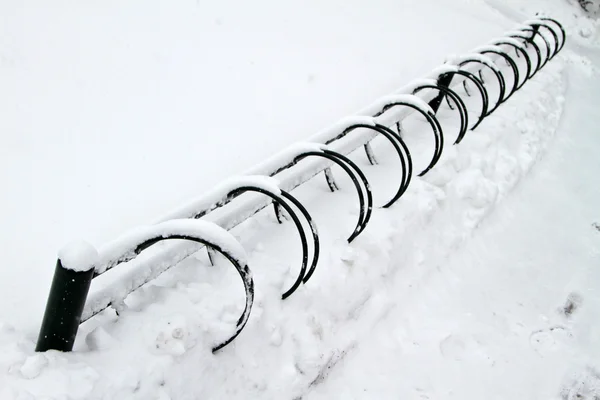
(330,180)
(444,81)
(370,154)
(64,307)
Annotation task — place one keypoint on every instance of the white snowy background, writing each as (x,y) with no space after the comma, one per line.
(482,282)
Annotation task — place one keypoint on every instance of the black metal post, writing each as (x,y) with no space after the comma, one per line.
(444,81)
(66,300)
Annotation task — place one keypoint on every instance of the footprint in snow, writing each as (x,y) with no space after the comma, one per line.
(548,340)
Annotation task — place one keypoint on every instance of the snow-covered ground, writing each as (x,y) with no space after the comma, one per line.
(480,282)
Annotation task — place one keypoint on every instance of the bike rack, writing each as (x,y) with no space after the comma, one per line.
(68,304)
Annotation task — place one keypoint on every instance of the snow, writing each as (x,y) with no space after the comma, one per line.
(457,289)
(124,248)
(217,196)
(485,60)
(382,104)
(416,84)
(514,42)
(78,256)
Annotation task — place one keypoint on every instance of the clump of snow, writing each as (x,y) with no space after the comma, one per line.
(510,40)
(123,249)
(415,84)
(78,256)
(483,59)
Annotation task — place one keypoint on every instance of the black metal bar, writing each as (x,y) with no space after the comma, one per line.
(330,179)
(370,154)
(66,300)
(443,81)
(314,232)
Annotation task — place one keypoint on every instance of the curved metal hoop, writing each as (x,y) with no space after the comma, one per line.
(460,105)
(525,56)
(313,229)
(357,177)
(480,87)
(536,32)
(409,166)
(562,30)
(537,52)
(303,238)
(542,24)
(514,67)
(395,141)
(500,78)
(240,266)
(435,126)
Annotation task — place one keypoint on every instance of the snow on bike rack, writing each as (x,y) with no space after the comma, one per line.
(68,304)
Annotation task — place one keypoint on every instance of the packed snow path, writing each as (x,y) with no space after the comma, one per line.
(515,312)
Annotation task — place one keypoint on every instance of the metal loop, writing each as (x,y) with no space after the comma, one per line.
(350,168)
(460,105)
(480,87)
(525,56)
(394,140)
(499,77)
(241,267)
(281,200)
(435,126)
(514,67)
